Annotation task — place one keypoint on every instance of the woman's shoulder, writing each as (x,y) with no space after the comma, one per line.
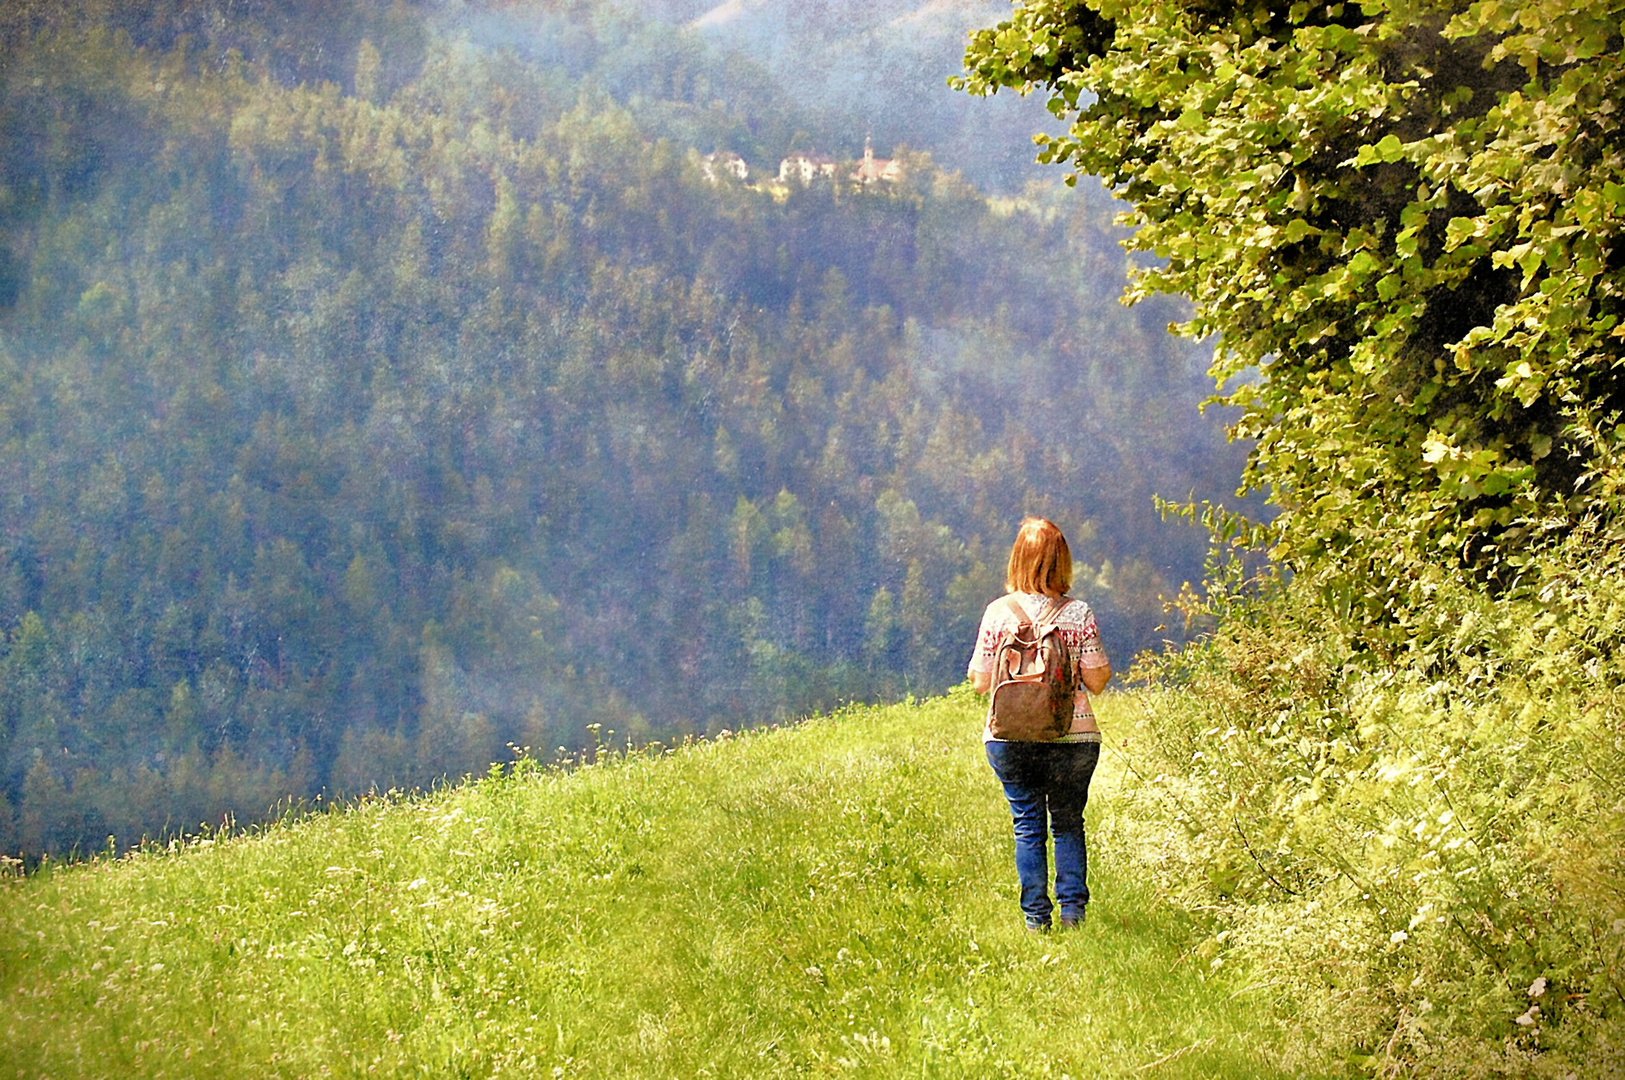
(998,609)
(1067,609)
(1077,605)
(1075,611)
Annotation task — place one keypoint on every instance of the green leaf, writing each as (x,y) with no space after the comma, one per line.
(1298,229)
(1459,231)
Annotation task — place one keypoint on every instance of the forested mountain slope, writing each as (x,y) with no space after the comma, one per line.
(376,392)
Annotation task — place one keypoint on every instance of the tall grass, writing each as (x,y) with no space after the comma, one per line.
(1422,855)
(831,898)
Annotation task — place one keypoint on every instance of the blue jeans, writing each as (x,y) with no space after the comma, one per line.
(1047,786)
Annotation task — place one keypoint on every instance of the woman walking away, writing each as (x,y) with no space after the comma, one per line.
(1046,773)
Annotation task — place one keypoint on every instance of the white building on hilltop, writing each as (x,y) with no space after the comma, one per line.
(805,168)
(872,168)
(714,165)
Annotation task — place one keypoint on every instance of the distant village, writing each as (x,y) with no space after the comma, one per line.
(804,168)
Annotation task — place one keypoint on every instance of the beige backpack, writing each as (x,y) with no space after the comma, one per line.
(1034,685)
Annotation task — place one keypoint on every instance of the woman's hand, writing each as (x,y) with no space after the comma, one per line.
(981,681)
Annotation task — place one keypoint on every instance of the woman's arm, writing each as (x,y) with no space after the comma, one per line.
(981,681)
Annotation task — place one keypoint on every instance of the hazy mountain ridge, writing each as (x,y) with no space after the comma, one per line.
(355,430)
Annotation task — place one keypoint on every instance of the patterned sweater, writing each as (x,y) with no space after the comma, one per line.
(1078,630)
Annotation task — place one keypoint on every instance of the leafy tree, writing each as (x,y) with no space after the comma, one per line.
(1402,221)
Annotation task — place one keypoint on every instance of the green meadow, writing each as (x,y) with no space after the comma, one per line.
(834,897)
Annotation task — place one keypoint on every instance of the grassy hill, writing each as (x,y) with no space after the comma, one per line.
(830,898)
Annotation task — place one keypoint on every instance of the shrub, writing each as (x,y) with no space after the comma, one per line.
(1420,849)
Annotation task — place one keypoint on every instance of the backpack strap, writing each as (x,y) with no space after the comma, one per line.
(1024,625)
(1060,609)
(1022,618)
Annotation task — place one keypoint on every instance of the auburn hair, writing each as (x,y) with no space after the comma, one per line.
(1040,561)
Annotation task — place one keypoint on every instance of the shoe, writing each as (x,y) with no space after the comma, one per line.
(1037,927)
(1070,921)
